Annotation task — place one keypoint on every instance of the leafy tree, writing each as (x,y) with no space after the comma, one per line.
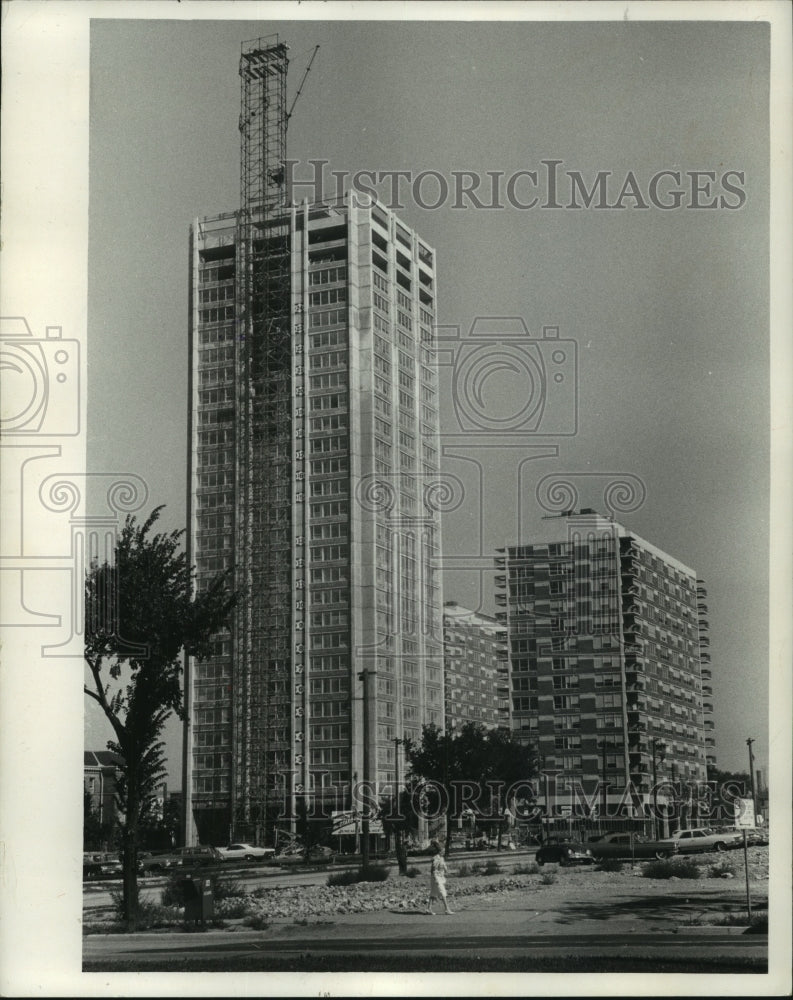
(472,766)
(92,828)
(141,613)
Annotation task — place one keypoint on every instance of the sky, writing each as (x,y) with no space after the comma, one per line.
(668,309)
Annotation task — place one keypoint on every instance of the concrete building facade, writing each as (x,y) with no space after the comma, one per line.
(607,678)
(474,666)
(314,458)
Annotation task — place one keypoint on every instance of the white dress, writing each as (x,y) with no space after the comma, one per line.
(438,878)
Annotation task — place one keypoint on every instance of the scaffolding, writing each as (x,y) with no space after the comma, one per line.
(262,680)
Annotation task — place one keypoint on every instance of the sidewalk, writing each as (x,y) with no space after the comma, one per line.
(508,924)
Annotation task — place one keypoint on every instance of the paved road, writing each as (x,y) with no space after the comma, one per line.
(312,947)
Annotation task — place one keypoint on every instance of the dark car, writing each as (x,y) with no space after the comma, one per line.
(564,853)
(182,857)
(630,845)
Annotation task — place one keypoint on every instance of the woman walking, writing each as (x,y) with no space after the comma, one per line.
(438,871)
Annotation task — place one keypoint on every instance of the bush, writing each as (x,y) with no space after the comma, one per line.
(492,867)
(548,878)
(256,921)
(530,869)
(412,872)
(464,870)
(676,868)
(227,887)
(720,869)
(150,914)
(374,873)
(610,865)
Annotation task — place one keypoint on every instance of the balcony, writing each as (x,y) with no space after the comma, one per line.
(707,706)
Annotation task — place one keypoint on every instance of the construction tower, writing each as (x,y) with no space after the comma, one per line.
(262,518)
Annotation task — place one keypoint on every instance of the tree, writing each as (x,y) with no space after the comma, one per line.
(475,767)
(141,613)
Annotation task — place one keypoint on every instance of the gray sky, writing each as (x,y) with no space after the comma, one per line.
(669,309)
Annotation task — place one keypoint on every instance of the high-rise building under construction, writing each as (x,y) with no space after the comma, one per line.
(312,477)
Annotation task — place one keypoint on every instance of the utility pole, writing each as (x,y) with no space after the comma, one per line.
(749,743)
(364,676)
(399,847)
(659,754)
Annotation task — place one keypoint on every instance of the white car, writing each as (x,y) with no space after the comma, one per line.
(245,852)
(703,839)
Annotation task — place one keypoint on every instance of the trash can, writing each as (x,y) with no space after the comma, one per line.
(199,902)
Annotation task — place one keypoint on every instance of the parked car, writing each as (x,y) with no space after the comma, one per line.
(151,864)
(630,845)
(100,864)
(316,855)
(182,857)
(703,839)
(564,853)
(245,852)
(756,838)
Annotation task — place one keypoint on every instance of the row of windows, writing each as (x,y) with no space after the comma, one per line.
(217,335)
(219,294)
(329,317)
(328,296)
(329,380)
(331,359)
(222,273)
(327,275)
(216,315)
(330,338)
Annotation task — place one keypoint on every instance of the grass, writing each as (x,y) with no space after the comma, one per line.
(676,868)
(548,878)
(257,922)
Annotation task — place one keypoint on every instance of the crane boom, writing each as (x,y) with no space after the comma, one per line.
(302,83)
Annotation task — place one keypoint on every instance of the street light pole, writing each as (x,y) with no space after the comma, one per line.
(659,753)
(749,743)
(398,844)
(364,676)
